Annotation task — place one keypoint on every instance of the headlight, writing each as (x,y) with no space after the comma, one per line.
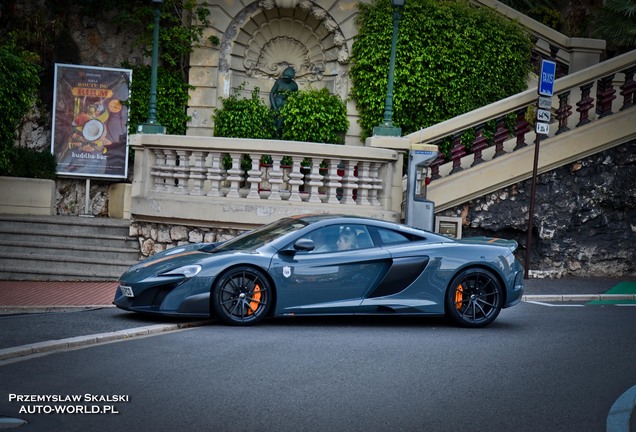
(186,271)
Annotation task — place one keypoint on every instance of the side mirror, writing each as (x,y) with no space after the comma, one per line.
(304,244)
(301,245)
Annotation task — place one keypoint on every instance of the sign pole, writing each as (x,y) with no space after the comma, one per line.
(535,168)
(547,76)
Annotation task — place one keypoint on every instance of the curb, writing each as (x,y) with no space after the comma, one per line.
(6,310)
(576,297)
(78,341)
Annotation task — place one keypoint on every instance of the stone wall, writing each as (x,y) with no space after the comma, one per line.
(157,237)
(585,216)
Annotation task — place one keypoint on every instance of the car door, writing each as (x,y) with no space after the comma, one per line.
(330,282)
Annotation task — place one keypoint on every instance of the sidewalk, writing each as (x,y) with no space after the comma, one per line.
(29,295)
(33,295)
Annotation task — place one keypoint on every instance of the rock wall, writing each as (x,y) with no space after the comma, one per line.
(155,237)
(585,216)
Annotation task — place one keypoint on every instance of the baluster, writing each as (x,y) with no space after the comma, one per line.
(376,182)
(171,164)
(480,143)
(275,178)
(605,94)
(585,104)
(197,172)
(254,177)
(457,153)
(182,172)
(295,179)
(501,133)
(349,182)
(628,89)
(215,176)
(235,176)
(333,182)
(315,180)
(434,166)
(563,112)
(522,127)
(364,183)
(158,171)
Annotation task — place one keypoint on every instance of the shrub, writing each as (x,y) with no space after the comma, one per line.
(314,116)
(27,162)
(244,118)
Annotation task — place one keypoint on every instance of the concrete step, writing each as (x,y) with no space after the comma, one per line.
(73,266)
(65,248)
(42,237)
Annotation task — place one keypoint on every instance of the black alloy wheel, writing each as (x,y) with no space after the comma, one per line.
(241,296)
(474,298)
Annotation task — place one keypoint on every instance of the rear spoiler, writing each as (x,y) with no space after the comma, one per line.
(510,244)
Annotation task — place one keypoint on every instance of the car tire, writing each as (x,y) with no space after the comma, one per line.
(474,298)
(242,296)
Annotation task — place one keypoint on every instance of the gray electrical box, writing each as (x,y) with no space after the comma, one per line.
(420,212)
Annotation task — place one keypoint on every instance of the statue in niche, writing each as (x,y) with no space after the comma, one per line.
(278,95)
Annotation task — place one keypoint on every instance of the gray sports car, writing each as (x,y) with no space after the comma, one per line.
(328,265)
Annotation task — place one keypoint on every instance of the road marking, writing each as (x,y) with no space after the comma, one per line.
(555,304)
(618,417)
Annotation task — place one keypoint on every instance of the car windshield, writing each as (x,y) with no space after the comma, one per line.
(261,236)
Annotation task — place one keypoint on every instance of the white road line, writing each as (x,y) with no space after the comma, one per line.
(621,411)
(555,304)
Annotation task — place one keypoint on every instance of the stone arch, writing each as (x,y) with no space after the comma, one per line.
(268,35)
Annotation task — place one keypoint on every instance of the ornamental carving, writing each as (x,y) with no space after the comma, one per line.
(269,52)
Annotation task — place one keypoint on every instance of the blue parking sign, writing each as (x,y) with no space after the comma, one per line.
(547,78)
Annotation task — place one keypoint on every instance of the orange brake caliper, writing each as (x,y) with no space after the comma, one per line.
(256,298)
(459,296)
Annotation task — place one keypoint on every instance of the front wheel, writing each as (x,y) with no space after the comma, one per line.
(241,296)
(474,298)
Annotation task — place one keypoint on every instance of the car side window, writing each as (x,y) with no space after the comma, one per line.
(340,238)
(392,237)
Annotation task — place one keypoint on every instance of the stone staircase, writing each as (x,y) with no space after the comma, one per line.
(65,248)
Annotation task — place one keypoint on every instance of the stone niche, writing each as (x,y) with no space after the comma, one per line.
(257,42)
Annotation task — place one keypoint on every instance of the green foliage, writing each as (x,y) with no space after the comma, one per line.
(27,162)
(244,118)
(616,23)
(451,58)
(172,98)
(18,90)
(314,116)
(546,15)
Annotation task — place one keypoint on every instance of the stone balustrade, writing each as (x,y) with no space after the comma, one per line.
(212,181)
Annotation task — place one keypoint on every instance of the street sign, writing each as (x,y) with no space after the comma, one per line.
(544,102)
(543,115)
(542,128)
(547,78)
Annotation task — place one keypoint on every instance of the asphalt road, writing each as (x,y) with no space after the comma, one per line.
(537,368)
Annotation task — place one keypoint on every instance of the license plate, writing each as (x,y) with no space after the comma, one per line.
(126,290)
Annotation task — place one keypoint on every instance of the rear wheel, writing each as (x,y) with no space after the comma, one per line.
(241,296)
(474,298)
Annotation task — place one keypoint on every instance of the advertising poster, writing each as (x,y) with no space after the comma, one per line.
(90,134)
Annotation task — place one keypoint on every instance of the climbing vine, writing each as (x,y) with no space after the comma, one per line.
(451,58)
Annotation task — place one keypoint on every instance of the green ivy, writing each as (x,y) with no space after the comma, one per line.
(451,58)
(18,92)
(243,117)
(172,98)
(314,116)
